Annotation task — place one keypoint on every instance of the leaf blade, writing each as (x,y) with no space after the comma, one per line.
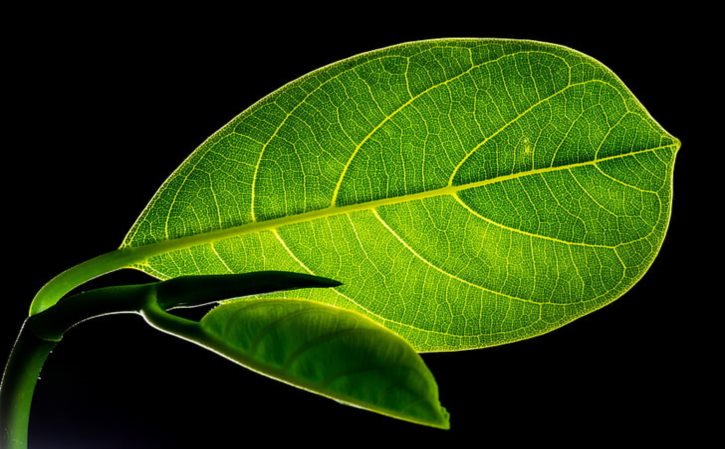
(329,351)
(555,179)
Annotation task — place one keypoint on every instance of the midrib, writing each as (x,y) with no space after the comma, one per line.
(164,246)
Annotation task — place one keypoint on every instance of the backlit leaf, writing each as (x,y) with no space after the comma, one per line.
(320,348)
(467,192)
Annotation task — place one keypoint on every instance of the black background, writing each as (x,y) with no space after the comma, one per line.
(101,113)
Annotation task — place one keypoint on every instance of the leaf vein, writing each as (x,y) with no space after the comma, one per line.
(402,107)
(446,273)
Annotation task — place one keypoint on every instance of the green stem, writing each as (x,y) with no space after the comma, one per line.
(52,314)
(39,335)
(170,324)
(18,384)
(71,278)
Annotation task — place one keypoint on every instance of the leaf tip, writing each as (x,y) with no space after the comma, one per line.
(330,282)
(444,420)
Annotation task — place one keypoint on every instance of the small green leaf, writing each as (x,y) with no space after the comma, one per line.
(190,291)
(327,350)
(320,348)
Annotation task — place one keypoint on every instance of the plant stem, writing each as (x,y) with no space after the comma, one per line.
(18,384)
(71,278)
(45,328)
(38,336)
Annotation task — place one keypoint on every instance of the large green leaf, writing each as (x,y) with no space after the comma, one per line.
(467,192)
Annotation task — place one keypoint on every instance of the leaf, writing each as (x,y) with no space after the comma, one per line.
(467,192)
(191,291)
(327,350)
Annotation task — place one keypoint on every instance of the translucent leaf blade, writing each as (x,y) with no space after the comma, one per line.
(467,192)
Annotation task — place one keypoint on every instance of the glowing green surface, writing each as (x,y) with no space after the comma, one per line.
(467,193)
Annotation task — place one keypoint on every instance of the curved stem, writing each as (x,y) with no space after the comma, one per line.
(71,278)
(39,335)
(18,384)
(54,316)
(174,325)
